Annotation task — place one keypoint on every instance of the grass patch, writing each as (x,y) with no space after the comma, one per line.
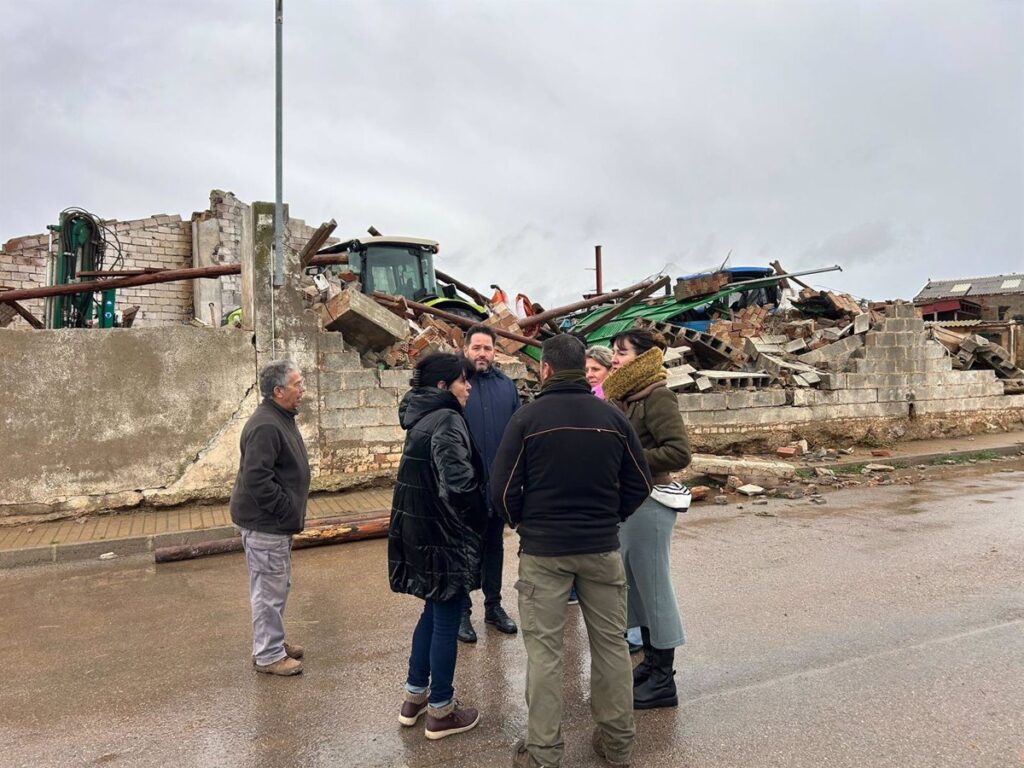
(964,458)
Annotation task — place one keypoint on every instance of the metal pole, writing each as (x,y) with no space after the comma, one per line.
(597,267)
(278,201)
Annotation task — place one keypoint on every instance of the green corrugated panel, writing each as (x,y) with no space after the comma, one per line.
(663,312)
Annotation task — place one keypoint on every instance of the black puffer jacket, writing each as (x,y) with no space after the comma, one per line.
(438,510)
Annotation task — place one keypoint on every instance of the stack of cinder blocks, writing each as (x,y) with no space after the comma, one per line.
(905,367)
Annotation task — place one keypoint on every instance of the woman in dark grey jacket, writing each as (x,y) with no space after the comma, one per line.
(637,386)
(437,515)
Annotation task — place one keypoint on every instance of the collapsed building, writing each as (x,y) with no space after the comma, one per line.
(149,410)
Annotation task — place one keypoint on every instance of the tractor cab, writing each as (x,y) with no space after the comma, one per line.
(399,266)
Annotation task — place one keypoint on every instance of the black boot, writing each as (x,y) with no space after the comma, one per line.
(659,689)
(466,632)
(643,670)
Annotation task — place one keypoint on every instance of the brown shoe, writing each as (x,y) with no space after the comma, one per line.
(413,705)
(521,757)
(285,667)
(291,651)
(449,720)
(597,740)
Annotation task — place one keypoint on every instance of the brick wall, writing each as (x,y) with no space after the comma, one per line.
(991,305)
(163,242)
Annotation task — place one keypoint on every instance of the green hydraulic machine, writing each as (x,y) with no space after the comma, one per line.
(80,256)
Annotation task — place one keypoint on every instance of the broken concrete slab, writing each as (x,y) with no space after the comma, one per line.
(763,472)
(750,490)
(362,322)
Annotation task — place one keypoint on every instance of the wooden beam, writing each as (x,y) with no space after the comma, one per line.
(316,242)
(28,316)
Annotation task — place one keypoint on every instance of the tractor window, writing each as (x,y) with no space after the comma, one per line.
(400,272)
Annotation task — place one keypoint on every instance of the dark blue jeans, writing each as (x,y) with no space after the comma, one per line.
(434,648)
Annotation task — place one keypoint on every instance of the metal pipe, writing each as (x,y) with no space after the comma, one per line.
(279,198)
(465,322)
(529,322)
(166,276)
(597,269)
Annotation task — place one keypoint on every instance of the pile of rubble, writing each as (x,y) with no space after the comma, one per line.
(971,351)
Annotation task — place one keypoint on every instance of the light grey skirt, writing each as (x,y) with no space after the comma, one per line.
(646,541)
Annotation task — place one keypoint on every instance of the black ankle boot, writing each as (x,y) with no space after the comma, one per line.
(659,689)
(643,670)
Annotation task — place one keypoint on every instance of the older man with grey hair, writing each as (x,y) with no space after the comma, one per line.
(268,504)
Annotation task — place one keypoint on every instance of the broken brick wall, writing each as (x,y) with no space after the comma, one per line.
(896,384)
(160,241)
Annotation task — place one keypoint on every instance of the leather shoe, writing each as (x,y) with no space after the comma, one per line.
(466,632)
(501,621)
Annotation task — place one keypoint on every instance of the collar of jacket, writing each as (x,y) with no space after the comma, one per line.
(559,387)
(419,401)
(571,375)
(280,409)
(636,375)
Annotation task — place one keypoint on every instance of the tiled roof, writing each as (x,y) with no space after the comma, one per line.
(971,286)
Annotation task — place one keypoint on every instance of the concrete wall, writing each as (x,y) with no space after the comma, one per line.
(896,384)
(103,420)
(97,419)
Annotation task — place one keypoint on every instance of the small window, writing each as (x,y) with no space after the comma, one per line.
(1010,284)
(1003,312)
(960,288)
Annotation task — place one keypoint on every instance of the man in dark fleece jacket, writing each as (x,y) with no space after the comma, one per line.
(268,504)
(569,469)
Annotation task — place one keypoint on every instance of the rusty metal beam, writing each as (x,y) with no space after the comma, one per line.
(166,276)
(618,309)
(118,272)
(388,300)
(474,294)
(328,531)
(529,322)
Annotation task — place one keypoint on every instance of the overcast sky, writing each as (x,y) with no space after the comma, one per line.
(887,137)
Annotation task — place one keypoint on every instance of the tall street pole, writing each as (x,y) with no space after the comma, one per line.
(279,200)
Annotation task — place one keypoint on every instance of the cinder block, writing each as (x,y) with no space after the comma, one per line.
(959,404)
(397,379)
(368,417)
(359,379)
(755,399)
(384,398)
(388,434)
(342,398)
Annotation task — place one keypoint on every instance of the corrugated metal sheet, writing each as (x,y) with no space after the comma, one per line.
(971,286)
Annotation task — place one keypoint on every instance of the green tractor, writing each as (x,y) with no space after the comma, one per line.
(399,266)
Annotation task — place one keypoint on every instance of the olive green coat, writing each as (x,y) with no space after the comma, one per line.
(654,414)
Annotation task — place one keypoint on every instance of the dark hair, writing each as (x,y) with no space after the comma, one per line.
(479,328)
(441,366)
(641,339)
(564,353)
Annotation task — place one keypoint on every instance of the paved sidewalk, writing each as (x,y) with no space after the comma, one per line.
(145,530)
(134,532)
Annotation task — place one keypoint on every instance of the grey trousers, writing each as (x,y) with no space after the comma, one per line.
(269,558)
(646,540)
(543,587)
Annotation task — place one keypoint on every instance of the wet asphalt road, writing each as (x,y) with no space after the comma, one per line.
(885,628)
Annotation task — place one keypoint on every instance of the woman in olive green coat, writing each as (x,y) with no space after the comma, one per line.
(637,385)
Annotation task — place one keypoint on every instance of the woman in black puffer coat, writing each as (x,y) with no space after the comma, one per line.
(437,515)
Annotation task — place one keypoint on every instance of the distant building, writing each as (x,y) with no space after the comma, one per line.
(1000,297)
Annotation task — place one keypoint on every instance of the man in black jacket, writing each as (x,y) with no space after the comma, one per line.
(268,504)
(570,468)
